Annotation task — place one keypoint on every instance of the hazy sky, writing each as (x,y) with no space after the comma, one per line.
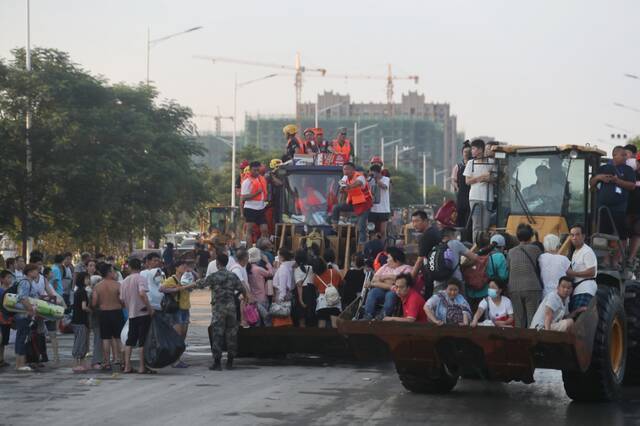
(534,72)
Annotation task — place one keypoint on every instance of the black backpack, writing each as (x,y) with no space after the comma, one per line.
(439,265)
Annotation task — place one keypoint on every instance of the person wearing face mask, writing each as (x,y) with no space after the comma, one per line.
(496,308)
(633,208)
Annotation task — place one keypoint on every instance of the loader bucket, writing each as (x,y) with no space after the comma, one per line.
(493,353)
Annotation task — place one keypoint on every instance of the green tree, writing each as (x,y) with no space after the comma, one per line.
(108,161)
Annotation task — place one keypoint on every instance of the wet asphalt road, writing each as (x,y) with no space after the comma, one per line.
(295,391)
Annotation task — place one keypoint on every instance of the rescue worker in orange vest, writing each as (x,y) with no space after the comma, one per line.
(254,196)
(311,147)
(294,144)
(341,147)
(359,200)
(311,200)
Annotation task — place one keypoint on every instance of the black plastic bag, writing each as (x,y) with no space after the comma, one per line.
(163,345)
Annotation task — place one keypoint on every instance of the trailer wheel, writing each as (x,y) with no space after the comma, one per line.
(433,382)
(632,310)
(603,379)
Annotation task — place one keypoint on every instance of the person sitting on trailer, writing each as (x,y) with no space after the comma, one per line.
(553,312)
(382,283)
(448,306)
(496,308)
(412,302)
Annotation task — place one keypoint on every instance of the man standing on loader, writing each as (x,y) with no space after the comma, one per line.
(359,200)
(341,147)
(254,195)
(294,144)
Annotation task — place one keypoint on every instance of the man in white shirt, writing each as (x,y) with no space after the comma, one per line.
(583,270)
(213,265)
(553,312)
(154,276)
(253,194)
(477,175)
(381,209)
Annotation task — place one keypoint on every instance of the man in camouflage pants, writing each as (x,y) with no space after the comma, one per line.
(224,322)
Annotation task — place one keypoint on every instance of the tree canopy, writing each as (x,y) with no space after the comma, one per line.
(107,160)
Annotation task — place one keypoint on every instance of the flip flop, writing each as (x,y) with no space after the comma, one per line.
(148,371)
(131,371)
(25,369)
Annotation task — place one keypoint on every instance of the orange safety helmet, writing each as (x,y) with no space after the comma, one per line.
(308,130)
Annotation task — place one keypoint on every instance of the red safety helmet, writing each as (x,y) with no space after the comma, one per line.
(308,130)
(243,164)
(375,160)
(318,131)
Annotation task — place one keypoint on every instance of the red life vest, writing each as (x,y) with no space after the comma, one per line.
(360,194)
(344,150)
(257,183)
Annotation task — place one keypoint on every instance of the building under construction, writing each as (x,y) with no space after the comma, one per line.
(413,131)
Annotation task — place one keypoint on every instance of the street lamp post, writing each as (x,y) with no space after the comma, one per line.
(324,109)
(398,152)
(424,178)
(356,132)
(28,165)
(435,177)
(384,144)
(151,43)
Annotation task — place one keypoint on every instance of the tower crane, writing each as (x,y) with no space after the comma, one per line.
(389,78)
(217,119)
(297,67)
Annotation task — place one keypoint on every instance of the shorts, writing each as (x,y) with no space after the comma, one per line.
(579,301)
(181,317)
(562,325)
(378,217)
(111,323)
(326,313)
(5,329)
(255,216)
(22,332)
(138,330)
(620,220)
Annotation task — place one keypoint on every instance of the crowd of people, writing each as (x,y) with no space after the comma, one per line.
(483,282)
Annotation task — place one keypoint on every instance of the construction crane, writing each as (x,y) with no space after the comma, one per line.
(217,119)
(389,78)
(297,67)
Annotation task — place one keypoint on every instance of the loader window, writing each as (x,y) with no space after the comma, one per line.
(309,198)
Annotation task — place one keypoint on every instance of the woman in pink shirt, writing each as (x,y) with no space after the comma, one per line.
(258,277)
(381,285)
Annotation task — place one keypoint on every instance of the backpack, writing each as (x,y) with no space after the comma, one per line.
(475,276)
(454,314)
(331,294)
(11,290)
(380,260)
(440,262)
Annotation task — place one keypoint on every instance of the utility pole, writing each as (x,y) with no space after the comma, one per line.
(27,193)
(424,178)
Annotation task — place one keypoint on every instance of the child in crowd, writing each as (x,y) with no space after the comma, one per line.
(80,321)
(6,279)
(553,312)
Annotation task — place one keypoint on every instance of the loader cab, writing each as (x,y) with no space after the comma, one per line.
(547,187)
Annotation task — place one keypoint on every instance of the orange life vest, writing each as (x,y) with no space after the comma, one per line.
(257,183)
(344,150)
(301,145)
(360,194)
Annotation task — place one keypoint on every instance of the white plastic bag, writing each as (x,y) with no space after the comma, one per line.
(124,334)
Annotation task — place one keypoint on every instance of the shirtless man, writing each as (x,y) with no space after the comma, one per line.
(106,298)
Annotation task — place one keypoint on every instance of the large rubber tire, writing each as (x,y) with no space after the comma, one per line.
(436,382)
(632,309)
(600,382)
